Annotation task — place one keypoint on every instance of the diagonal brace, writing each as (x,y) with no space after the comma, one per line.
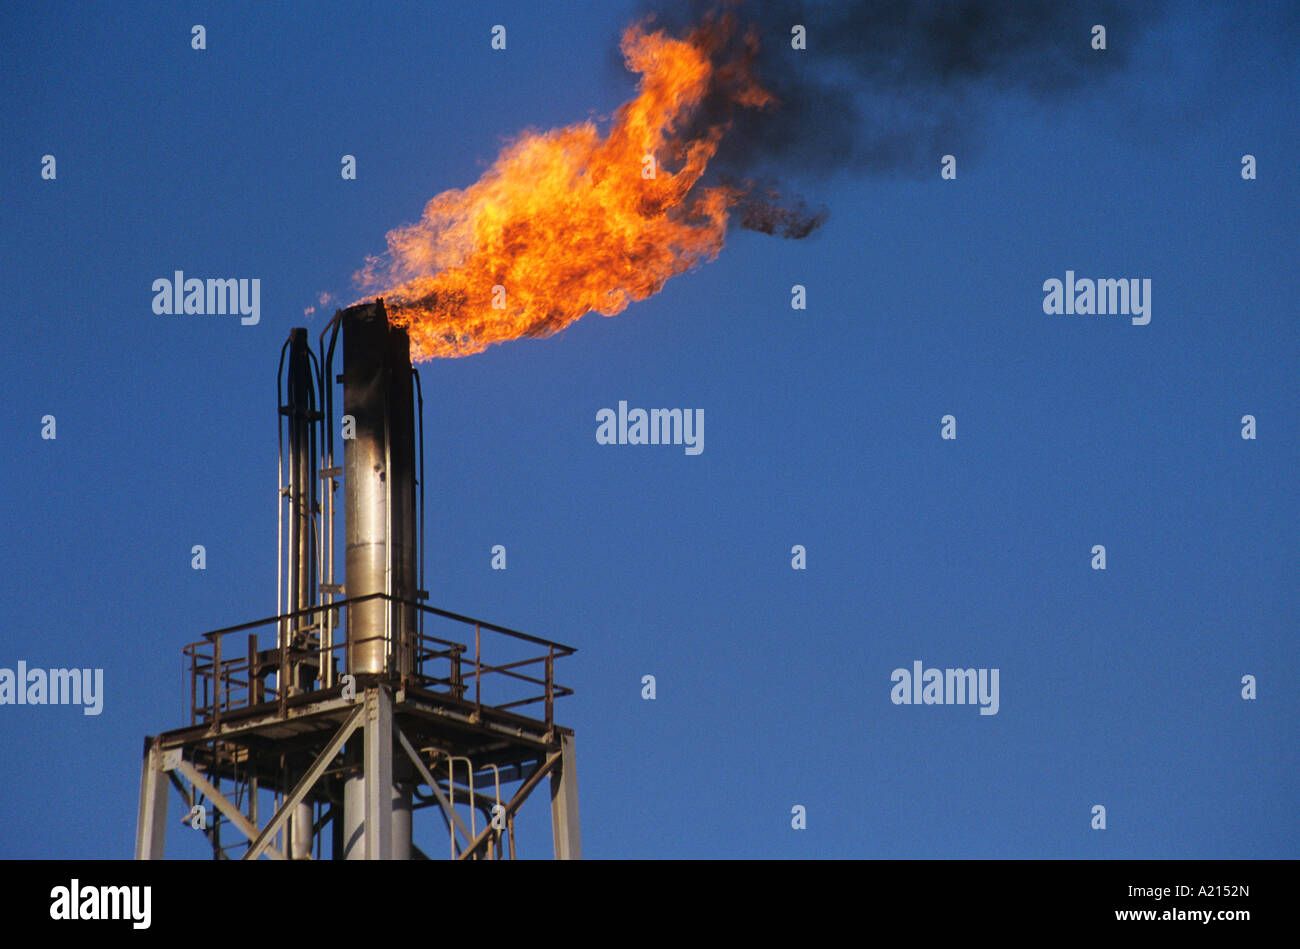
(428,779)
(305,784)
(516,802)
(221,803)
(207,831)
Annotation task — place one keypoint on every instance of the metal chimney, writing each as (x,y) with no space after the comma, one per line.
(379,480)
(381,536)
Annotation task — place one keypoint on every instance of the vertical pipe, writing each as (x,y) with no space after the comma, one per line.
(371,397)
(216,682)
(296,674)
(302,416)
(380,547)
(404,536)
(550,688)
(254,680)
(324,369)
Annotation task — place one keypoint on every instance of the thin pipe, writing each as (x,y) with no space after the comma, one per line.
(388,533)
(419,394)
(451,786)
(279,495)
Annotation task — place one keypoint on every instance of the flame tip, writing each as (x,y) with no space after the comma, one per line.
(570,220)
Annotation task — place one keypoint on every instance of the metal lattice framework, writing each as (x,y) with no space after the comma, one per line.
(446,713)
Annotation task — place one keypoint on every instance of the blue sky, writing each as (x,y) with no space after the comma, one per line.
(1119,688)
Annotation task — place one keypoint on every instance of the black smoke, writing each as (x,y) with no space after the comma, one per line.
(888,86)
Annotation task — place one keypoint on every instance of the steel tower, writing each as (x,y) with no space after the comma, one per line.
(358,705)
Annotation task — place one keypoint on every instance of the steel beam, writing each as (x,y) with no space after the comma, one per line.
(378,767)
(209,830)
(564,804)
(151,823)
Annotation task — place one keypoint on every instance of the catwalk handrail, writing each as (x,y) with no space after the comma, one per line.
(459,617)
(212,679)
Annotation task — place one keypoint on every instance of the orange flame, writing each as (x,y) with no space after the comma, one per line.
(565,222)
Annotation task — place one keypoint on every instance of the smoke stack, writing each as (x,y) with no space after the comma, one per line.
(379,464)
(381,539)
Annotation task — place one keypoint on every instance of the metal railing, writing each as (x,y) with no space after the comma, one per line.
(301,658)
